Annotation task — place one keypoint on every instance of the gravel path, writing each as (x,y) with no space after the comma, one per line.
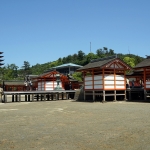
(70,125)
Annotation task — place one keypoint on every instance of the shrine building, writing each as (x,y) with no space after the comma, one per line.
(141,77)
(105,77)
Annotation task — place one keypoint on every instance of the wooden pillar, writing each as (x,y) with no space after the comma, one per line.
(16,97)
(57,96)
(44,97)
(103,96)
(32,97)
(5,98)
(62,95)
(52,97)
(115,82)
(145,95)
(144,78)
(48,97)
(44,84)
(26,98)
(93,85)
(67,95)
(125,95)
(29,98)
(93,96)
(37,97)
(1,97)
(103,78)
(13,98)
(84,95)
(130,94)
(41,97)
(19,98)
(115,96)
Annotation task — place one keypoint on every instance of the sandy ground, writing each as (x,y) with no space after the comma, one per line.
(70,125)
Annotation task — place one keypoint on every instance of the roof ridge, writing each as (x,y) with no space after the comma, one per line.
(105,58)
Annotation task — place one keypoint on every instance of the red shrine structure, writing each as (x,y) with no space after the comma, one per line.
(105,77)
(48,81)
(141,77)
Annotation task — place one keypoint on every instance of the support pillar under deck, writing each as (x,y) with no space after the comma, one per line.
(115,96)
(103,97)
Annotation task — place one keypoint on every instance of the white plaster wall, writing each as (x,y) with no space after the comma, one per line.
(120,82)
(98,86)
(98,82)
(87,78)
(88,87)
(98,77)
(109,87)
(120,87)
(88,83)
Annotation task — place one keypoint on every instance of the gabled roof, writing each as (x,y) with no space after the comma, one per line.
(21,82)
(48,74)
(67,65)
(52,74)
(102,62)
(144,63)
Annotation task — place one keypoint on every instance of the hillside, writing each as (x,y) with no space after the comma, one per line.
(11,72)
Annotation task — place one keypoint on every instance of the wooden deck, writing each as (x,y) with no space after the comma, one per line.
(17,96)
(137,93)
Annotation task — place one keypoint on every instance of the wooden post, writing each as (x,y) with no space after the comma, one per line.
(130,94)
(53,96)
(57,96)
(41,97)
(25,97)
(62,95)
(28,98)
(93,96)
(32,97)
(44,97)
(115,96)
(19,98)
(125,95)
(13,98)
(145,95)
(16,97)
(5,98)
(37,97)
(48,97)
(103,96)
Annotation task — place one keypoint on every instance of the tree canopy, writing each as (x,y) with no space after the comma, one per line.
(11,71)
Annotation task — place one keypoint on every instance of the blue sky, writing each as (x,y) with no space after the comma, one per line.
(41,31)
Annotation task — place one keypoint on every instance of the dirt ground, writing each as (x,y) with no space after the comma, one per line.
(71,125)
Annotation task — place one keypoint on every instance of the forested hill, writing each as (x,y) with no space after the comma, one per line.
(11,71)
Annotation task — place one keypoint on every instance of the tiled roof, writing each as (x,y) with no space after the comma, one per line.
(46,73)
(98,62)
(14,82)
(144,63)
(68,64)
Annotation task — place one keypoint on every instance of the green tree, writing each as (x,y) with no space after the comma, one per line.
(77,76)
(111,52)
(130,61)
(106,50)
(26,68)
(74,57)
(81,55)
(90,57)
